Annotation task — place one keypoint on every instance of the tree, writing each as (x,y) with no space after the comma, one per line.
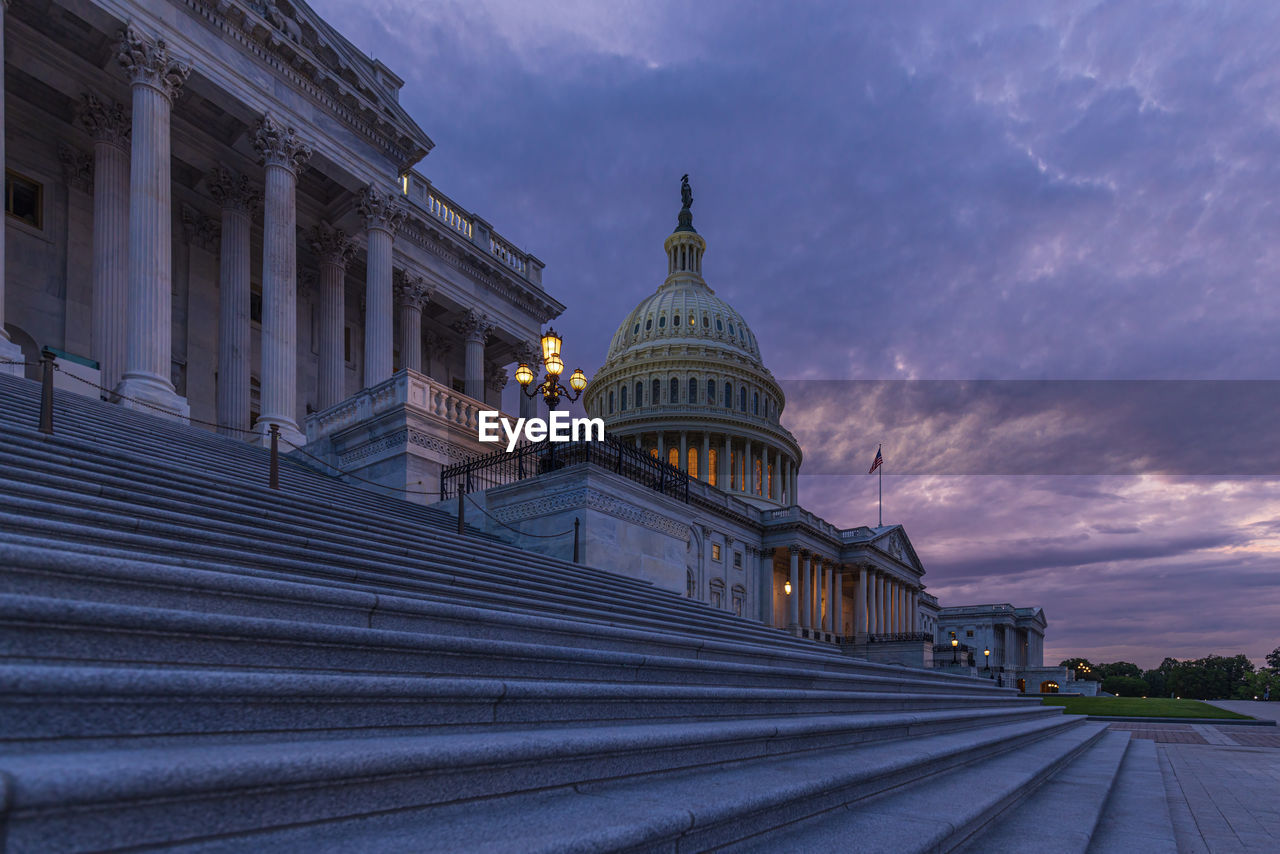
(1213,677)
(1273,659)
(1082,666)
(1119,668)
(1125,686)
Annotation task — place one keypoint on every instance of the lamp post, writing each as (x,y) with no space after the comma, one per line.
(954,643)
(550,388)
(986,656)
(787,586)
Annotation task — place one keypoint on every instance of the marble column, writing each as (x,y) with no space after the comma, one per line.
(767,593)
(334,248)
(382,216)
(915,611)
(9,352)
(475,328)
(793,601)
(825,602)
(749,470)
(795,484)
(684,451)
(881,624)
(860,601)
(704,462)
(155,78)
(412,295)
(806,607)
(839,599)
(725,458)
(283,154)
(238,199)
(108,125)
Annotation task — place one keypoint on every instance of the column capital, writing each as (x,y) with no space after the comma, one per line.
(199,229)
(77,167)
(278,145)
(438,346)
(104,121)
(233,191)
(474,325)
(529,353)
(148,63)
(495,376)
(379,209)
(795,550)
(411,290)
(333,245)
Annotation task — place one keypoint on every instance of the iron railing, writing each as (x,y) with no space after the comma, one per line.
(535,458)
(924,637)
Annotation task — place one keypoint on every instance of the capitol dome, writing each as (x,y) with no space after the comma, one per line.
(684,380)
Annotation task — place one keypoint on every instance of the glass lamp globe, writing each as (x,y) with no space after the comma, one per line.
(524,375)
(578,380)
(554,364)
(550,345)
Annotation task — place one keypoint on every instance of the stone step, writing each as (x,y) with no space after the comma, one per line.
(53,632)
(64,706)
(75,801)
(1136,818)
(939,813)
(1060,815)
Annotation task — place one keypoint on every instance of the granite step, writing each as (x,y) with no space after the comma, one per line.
(1136,818)
(1058,817)
(667,780)
(942,812)
(66,707)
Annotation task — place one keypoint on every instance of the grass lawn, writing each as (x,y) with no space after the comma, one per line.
(1155,707)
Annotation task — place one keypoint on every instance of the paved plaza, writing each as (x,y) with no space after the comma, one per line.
(1222,781)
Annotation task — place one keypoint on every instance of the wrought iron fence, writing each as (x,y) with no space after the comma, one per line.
(925,637)
(535,458)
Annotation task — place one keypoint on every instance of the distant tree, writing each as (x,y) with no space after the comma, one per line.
(1083,667)
(1273,659)
(1119,668)
(1125,686)
(1213,677)
(1256,684)
(1157,682)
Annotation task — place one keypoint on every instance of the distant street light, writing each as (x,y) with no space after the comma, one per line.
(954,643)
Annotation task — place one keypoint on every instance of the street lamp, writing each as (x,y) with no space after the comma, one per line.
(787,586)
(954,643)
(986,655)
(550,388)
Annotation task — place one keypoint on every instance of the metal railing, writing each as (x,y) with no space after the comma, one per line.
(923,637)
(536,458)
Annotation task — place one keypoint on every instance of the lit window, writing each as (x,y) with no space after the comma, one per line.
(712,474)
(673,456)
(692,463)
(715,551)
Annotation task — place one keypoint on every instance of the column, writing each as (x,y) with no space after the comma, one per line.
(749,470)
(775,481)
(828,591)
(412,294)
(806,586)
(765,587)
(662,447)
(1010,658)
(839,599)
(881,624)
(238,199)
(8,350)
(530,353)
(108,125)
(283,154)
(723,462)
(155,79)
(382,216)
(860,601)
(684,451)
(704,462)
(915,611)
(795,483)
(793,601)
(475,328)
(334,248)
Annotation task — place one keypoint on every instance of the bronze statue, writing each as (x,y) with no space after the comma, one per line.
(686,194)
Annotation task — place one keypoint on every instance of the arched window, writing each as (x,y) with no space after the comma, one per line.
(717,594)
(622,400)
(656,398)
(693,390)
(755,403)
(691,464)
(610,401)
(711,392)
(728,396)
(757,478)
(739,598)
(639,395)
(712,458)
(673,456)
(691,585)
(675,391)
(742,398)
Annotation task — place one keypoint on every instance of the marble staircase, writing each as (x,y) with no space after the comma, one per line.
(190,660)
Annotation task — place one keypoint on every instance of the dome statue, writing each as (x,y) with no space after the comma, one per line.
(684,380)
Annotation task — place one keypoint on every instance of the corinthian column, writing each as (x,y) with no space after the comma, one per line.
(9,352)
(475,327)
(335,249)
(412,294)
(156,79)
(382,216)
(529,353)
(238,199)
(282,154)
(108,125)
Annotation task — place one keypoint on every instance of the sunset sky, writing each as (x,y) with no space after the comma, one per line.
(1017,191)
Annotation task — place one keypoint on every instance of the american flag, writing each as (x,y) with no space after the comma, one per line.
(879,461)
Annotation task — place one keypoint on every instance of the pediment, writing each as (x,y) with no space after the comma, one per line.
(894,542)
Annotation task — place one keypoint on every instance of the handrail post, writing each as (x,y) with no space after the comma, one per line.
(576,523)
(274,477)
(46,394)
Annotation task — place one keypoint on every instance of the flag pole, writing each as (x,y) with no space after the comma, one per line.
(880,482)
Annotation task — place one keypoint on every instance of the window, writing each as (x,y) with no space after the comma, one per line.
(717,594)
(742,398)
(636,331)
(662,322)
(692,321)
(673,456)
(656,397)
(255,305)
(711,392)
(639,395)
(719,325)
(755,403)
(675,391)
(728,396)
(737,560)
(691,585)
(968,633)
(24,199)
(715,551)
(731,328)
(739,599)
(675,320)
(693,390)
(346,344)
(691,465)
(610,401)
(622,400)
(706,322)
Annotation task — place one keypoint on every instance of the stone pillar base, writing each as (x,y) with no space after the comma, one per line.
(10,352)
(163,400)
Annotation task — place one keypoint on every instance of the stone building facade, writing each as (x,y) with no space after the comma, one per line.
(216,201)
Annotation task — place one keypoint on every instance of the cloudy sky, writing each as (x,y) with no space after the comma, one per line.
(963,191)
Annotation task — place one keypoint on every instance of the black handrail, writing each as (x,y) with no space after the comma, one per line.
(534,458)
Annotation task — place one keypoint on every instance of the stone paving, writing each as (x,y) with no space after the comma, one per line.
(1222,782)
